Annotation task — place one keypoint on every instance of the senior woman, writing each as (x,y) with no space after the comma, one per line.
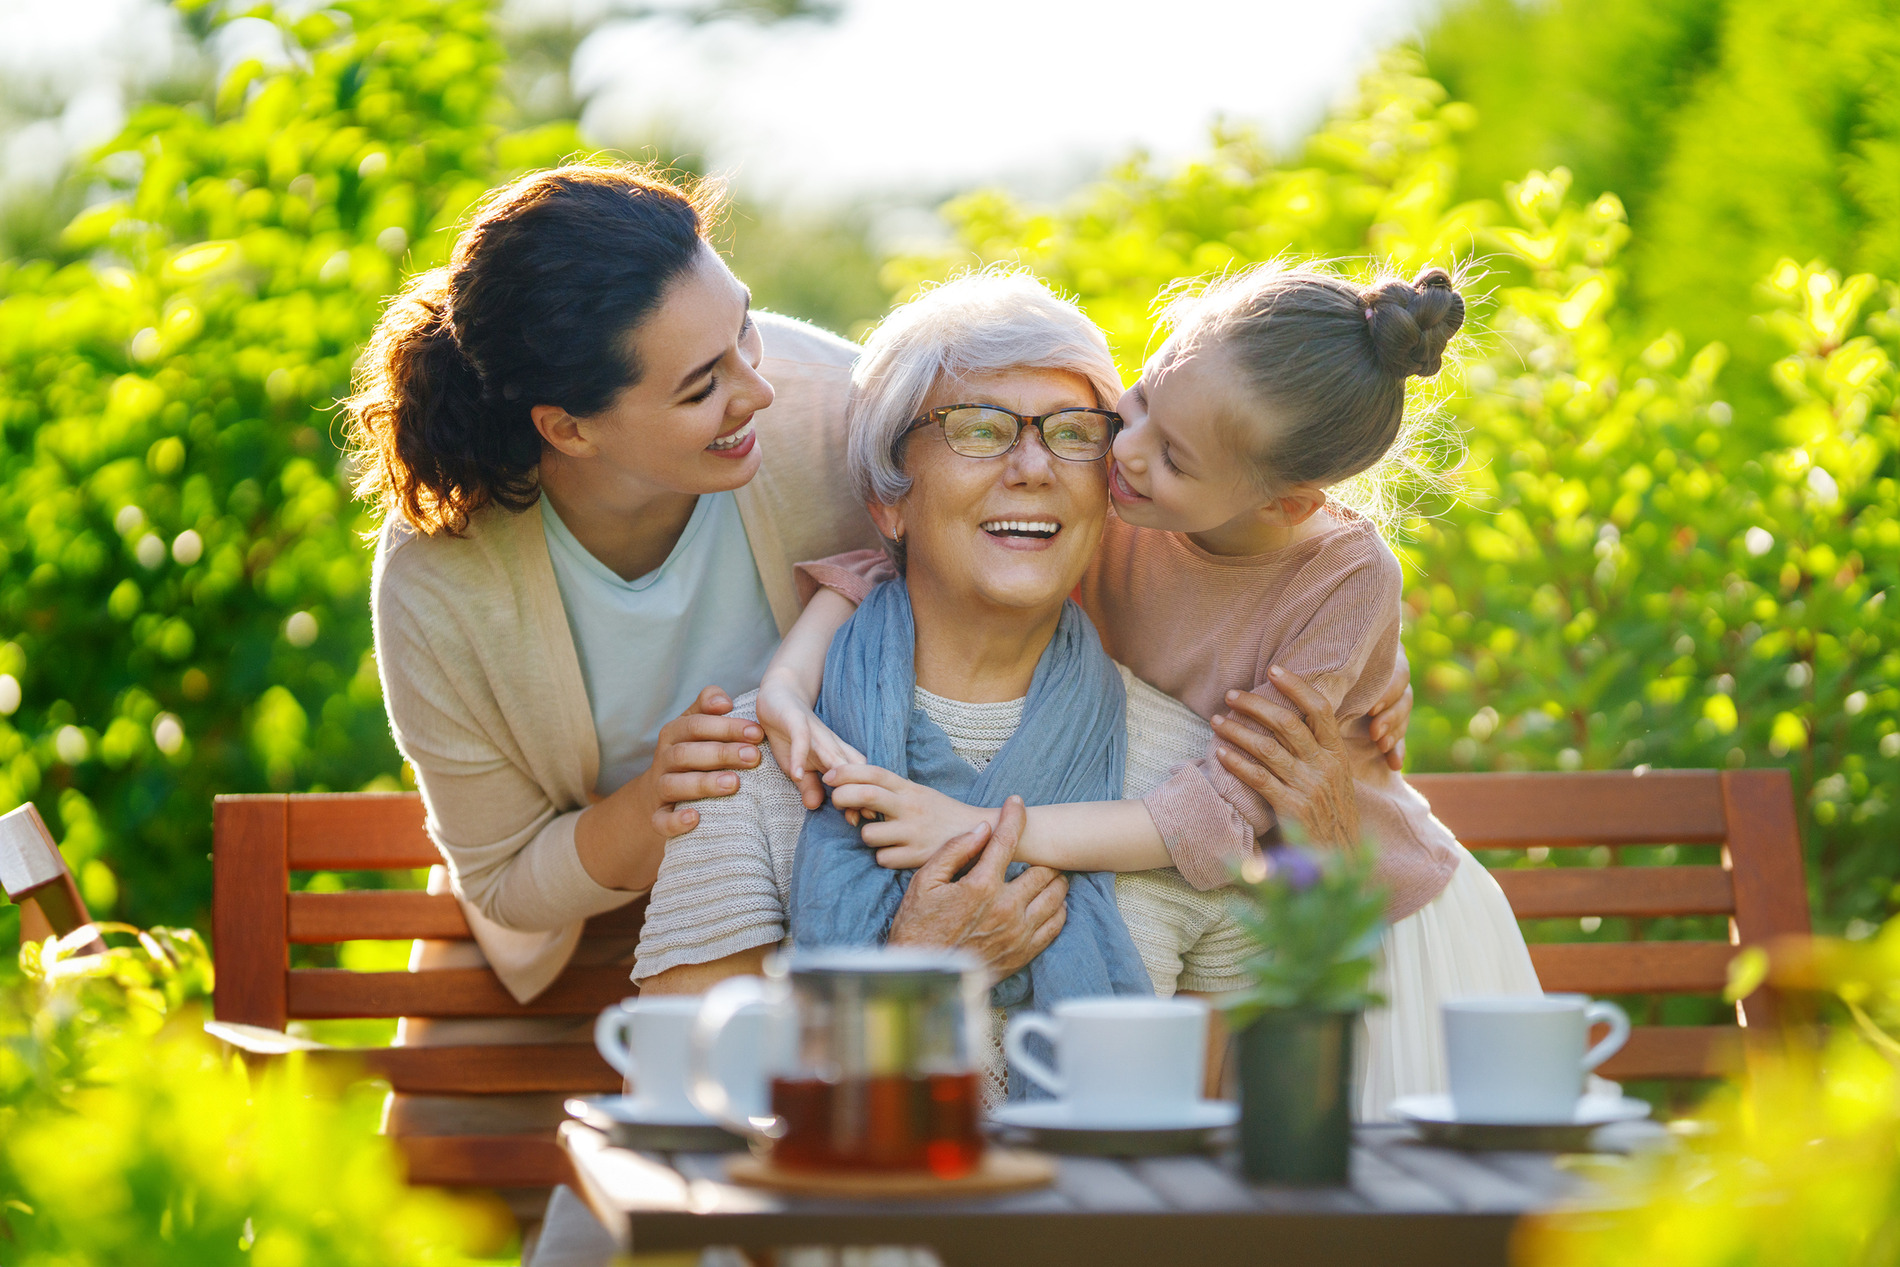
(979,667)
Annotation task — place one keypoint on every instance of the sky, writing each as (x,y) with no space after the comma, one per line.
(913,98)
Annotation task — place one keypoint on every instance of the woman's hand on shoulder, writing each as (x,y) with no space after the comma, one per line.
(804,747)
(916,820)
(698,757)
(1297,761)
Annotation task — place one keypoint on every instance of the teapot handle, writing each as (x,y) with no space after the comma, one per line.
(707,1091)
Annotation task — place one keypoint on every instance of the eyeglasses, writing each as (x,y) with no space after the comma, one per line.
(990,431)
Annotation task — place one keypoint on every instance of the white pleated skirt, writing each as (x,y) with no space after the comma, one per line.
(1463,942)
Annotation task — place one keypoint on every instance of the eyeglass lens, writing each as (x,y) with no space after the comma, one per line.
(1079,435)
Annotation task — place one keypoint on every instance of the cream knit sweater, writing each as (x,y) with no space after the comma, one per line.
(484,690)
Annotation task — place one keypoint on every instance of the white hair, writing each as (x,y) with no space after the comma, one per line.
(982,322)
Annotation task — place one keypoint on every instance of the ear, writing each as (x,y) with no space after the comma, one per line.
(1295,506)
(889,520)
(562,430)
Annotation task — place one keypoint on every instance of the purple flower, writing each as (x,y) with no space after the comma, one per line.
(1298,868)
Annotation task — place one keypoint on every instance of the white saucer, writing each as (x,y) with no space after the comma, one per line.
(631,1110)
(1058,1115)
(1592,1110)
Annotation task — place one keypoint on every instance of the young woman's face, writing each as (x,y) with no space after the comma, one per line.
(1176,466)
(686,426)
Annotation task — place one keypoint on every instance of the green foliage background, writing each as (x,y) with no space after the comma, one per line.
(1673,548)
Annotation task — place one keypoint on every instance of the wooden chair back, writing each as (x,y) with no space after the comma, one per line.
(259,842)
(34,876)
(1760,885)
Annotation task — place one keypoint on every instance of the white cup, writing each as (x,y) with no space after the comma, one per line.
(1124,1062)
(649,1041)
(1521,1058)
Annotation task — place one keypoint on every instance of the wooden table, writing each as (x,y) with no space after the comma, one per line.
(1406,1204)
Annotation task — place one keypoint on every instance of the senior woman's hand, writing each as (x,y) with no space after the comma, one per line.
(1296,761)
(1006,923)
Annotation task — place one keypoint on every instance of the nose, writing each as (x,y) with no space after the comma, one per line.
(1125,447)
(1030,464)
(754,392)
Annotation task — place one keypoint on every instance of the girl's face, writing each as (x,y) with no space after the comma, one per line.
(1176,464)
(686,426)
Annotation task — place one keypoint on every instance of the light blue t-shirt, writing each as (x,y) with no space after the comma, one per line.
(647,647)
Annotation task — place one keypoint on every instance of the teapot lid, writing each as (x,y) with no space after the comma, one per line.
(880,961)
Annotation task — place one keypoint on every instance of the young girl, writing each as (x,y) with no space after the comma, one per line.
(1225,566)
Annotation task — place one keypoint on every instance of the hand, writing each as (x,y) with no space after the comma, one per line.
(1299,764)
(916,820)
(803,746)
(696,758)
(1391,716)
(1006,923)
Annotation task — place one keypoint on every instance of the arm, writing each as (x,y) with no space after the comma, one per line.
(1208,816)
(789,688)
(918,820)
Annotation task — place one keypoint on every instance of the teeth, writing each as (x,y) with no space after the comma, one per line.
(736,438)
(1022,525)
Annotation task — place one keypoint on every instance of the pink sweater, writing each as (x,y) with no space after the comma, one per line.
(1198,625)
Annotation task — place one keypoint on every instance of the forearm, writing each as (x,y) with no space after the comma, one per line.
(799,662)
(617,841)
(1093,836)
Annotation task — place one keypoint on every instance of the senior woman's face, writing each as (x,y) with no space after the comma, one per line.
(1011,532)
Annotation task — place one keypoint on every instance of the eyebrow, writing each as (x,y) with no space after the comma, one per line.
(697,374)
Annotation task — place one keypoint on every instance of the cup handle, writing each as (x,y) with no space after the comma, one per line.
(1016,1048)
(610,1036)
(703,1087)
(1619,1023)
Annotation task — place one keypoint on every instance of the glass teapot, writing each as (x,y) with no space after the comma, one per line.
(878,1064)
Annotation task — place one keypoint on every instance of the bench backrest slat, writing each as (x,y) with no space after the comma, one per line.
(1606,807)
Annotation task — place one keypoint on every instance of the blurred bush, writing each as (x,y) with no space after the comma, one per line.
(126,1137)
(182,574)
(1795,1162)
(1641,567)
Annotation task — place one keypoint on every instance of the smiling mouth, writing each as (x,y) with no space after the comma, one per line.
(1034,529)
(733,439)
(1119,485)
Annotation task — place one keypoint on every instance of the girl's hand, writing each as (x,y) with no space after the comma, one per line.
(803,746)
(1298,763)
(1391,716)
(917,820)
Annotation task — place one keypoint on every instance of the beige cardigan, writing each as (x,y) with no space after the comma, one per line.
(484,689)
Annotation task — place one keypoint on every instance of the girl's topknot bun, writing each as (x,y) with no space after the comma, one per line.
(1411,324)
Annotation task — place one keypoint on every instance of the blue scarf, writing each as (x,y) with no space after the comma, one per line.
(1071,746)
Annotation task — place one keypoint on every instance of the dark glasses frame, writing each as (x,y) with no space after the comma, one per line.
(1023,423)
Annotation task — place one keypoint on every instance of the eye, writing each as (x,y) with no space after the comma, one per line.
(705,394)
(1167,457)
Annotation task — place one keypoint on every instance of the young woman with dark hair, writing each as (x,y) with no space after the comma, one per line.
(596,467)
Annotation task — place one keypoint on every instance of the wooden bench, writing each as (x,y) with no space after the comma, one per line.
(260,841)
(1759,884)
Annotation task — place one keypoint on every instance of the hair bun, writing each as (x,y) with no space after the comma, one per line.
(1410,324)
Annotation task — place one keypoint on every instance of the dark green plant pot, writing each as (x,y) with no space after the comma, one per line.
(1296,1097)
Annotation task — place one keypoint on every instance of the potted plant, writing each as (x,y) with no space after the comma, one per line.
(1315,919)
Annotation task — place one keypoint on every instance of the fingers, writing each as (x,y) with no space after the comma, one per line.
(1046,931)
(1400,683)
(859,772)
(699,728)
(903,857)
(828,751)
(1050,897)
(800,752)
(713,701)
(811,790)
(1255,776)
(955,854)
(1395,759)
(1390,720)
(695,785)
(1009,832)
(1264,750)
(1307,698)
(674,820)
(708,756)
(1285,725)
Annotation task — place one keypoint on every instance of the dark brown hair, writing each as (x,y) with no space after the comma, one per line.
(1327,357)
(534,307)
